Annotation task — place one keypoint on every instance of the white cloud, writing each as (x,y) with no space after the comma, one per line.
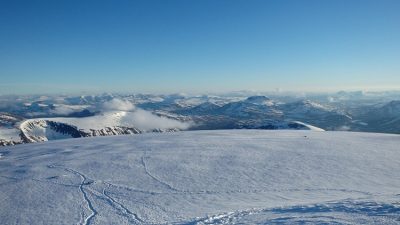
(118,104)
(139,118)
(343,128)
(146,120)
(62,110)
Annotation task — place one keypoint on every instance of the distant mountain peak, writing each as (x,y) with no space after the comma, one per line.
(259,99)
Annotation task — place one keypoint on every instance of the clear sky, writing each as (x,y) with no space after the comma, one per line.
(198,45)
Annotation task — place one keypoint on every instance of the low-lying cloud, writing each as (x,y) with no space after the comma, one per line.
(118,104)
(146,120)
(343,128)
(142,119)
(62,111)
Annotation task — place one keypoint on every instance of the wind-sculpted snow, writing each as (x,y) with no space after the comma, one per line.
(204,177)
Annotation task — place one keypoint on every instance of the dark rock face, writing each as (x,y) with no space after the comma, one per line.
(83,113)
(66,129)
(116,130)
(9,143)
(51,130)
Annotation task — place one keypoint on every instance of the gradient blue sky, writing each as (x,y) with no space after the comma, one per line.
(198,46)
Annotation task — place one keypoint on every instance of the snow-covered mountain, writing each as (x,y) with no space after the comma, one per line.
(9,132)
(169,113)
(262,112)
(383,118)
(260,100)
(111,114)
(389,110)
(204,177)
(324,116)
(205,108)
(46,130)
(104,124)
(256,106)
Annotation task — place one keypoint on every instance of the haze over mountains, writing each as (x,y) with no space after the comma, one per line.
(25,119)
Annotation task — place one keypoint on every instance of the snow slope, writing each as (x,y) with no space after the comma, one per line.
(204,177)
(11,133)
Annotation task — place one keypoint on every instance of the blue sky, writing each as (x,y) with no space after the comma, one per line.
(198,46)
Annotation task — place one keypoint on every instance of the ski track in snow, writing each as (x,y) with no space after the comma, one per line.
(84,182)
(138,191)
(146,170)
(134,217)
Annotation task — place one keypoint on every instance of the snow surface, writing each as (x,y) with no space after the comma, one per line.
(9,133)
(204,177)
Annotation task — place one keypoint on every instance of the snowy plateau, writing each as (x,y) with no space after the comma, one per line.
(204,177)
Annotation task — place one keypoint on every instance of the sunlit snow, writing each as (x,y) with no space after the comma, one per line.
(204,177)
